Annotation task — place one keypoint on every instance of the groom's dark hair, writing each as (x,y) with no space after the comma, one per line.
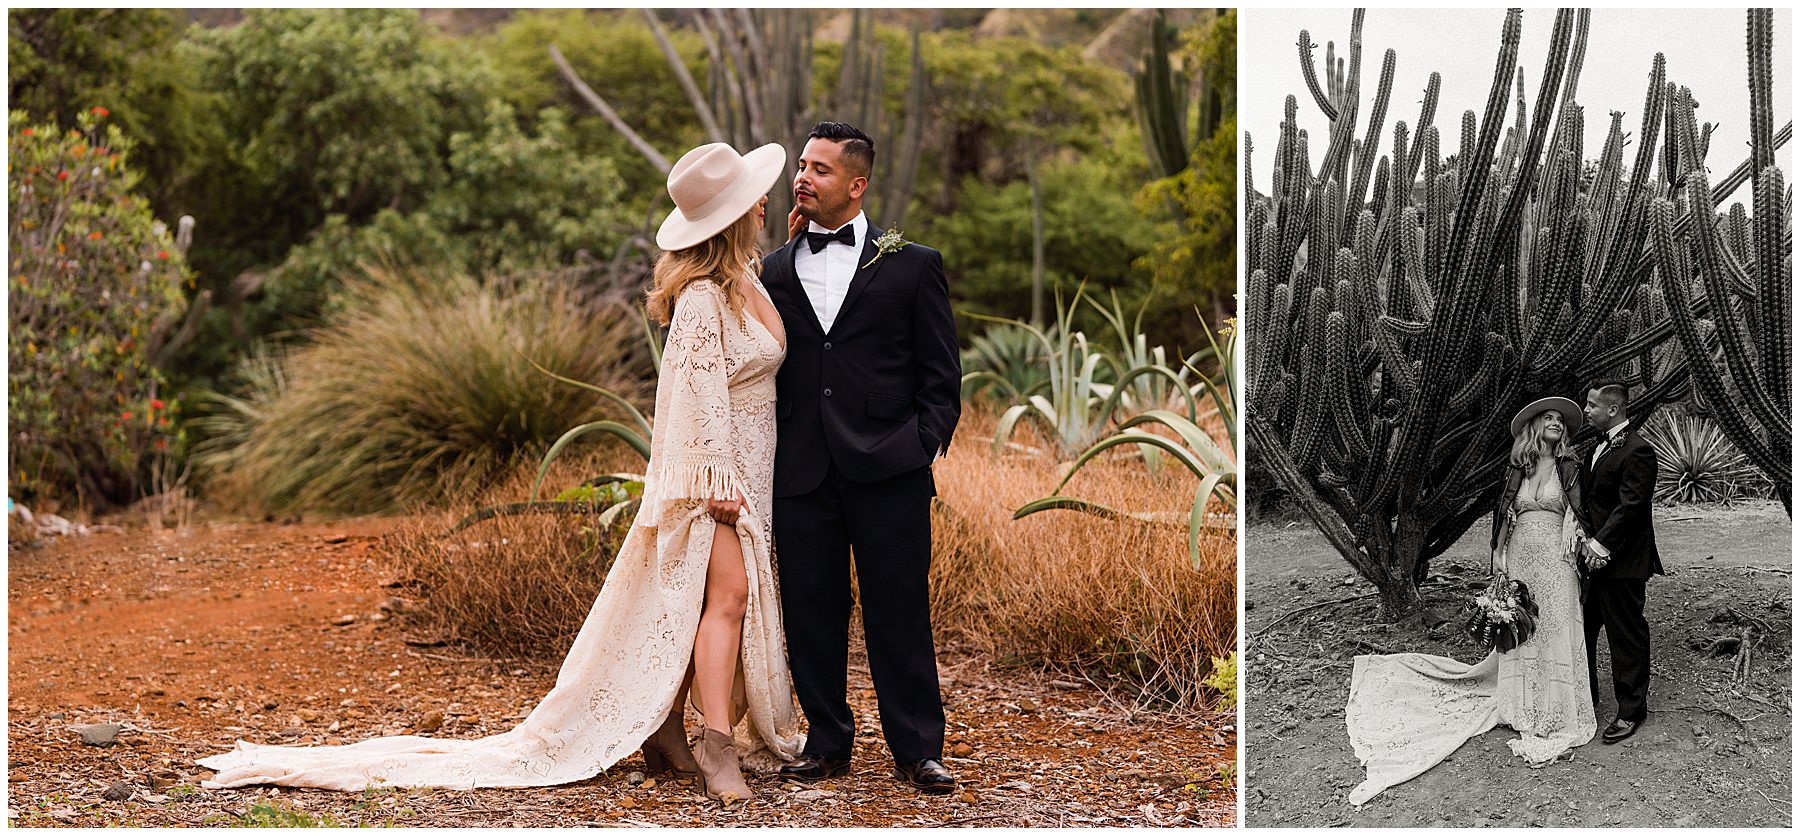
(1612,392)
(857,145)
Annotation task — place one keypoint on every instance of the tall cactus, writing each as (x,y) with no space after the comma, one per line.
(1407,302)
(760,90)
(1166,96)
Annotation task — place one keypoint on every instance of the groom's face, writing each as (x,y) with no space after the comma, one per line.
(1600,414)
(827,186)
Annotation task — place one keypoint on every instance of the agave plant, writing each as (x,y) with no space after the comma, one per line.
(1078,407)
(1006,359)
(1696,462)
(1193,446)
(1135,351)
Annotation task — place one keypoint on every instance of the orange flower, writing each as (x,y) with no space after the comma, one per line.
(62,175)
(124,416)
(156,403)
(93,236)
(162,254)
(162,444)
(100,111)
(28,132)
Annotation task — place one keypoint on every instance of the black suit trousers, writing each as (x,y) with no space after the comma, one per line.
(1617,604)
(886,525)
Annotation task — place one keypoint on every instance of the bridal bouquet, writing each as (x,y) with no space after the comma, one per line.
(1505,615)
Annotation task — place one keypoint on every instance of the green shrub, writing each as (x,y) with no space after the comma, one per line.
(422,391)
(1224,680)
(95,285)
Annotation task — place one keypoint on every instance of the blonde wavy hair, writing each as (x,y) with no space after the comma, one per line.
(1530,441)
(727,258)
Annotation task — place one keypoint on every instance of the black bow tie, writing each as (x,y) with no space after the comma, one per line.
(818,240)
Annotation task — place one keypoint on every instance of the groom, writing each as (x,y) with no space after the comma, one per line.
(1618,478)
(866,400)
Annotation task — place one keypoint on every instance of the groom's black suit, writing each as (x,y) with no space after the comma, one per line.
(862,409)
(1617,491)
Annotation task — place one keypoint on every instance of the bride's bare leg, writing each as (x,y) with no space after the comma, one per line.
(721,627)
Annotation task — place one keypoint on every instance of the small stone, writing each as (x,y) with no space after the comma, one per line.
(307,715)
(343,620)
(291,731)
(16,775)
(118,791)
(635,778)
(1021,786)
(100,734)
(431,722)
(968,797)
(337,538)
(962,750)
(628,803)
(809,796)
(649,784)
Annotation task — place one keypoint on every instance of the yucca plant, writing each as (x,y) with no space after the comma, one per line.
(1193,447)
(1078,408)
(1697,463)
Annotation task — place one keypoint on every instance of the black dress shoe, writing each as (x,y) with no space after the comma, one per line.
(811,767)
(1619,730)
(928,776)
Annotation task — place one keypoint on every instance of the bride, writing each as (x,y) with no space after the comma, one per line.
(1408,711)
(691,597)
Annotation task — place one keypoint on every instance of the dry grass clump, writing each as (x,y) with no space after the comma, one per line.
(418,392)
(512,586)
(1115,600)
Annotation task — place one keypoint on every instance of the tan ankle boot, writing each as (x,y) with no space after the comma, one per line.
(720,777)
(667,750)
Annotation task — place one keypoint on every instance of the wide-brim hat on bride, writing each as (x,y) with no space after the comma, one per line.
(712,187)
(1567,407)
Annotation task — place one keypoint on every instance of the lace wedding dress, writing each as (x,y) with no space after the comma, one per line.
(1408,711)
(715,438)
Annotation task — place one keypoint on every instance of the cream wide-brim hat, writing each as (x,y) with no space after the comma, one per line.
(713,187)
(1567,407)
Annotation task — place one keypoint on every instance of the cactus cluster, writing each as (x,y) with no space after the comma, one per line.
(1404,302)
(1166,98)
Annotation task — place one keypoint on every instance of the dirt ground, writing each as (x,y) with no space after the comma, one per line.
(288,634)
(1713,752)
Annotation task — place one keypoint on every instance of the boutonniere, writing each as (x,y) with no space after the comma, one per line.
(889,242)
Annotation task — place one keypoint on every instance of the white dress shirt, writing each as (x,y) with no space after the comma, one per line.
(825,275)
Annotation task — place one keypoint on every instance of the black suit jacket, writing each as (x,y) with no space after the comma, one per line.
(1618,492)
(880,392)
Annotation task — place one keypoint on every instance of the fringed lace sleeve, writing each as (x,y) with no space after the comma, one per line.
(693,406)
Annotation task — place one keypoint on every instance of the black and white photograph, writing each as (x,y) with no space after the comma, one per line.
(1518,322)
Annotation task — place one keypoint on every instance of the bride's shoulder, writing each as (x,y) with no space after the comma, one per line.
(702,291)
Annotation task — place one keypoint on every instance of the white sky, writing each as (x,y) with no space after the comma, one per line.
(1704,50)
